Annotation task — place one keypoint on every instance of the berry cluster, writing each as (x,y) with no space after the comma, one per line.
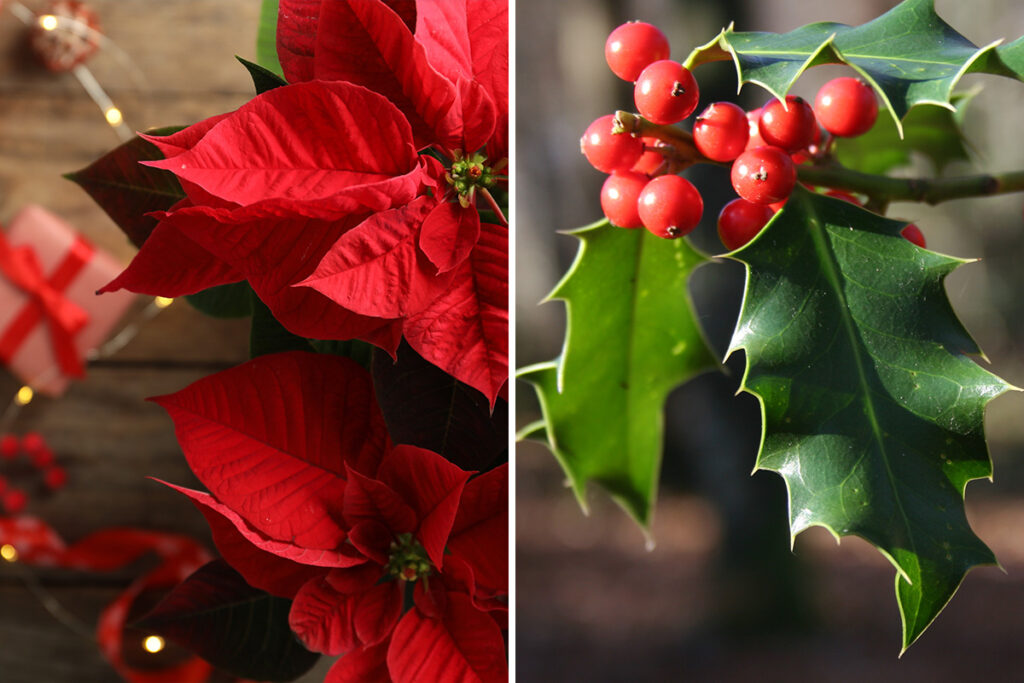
(40,457)
(764,146)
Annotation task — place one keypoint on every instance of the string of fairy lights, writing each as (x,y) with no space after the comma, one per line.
(61,24)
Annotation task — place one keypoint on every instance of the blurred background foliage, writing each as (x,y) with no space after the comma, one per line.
(722,597)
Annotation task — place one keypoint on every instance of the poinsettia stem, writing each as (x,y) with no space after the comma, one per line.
(883,189)
(494,205)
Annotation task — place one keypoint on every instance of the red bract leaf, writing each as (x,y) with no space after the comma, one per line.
(465,331)
(375,269)
(274,253)
(480,533)
(365,665)
(307,142)
(432,486)
(184,139)
(449,234)
(368,44)
(479,115)
(368,499)
(271,440)
(170,264)
(329,621)
(465,647)
(377,612)
(296,38)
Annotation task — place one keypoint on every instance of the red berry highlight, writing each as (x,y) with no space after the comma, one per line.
(620,195)
(722,131)
(607,151)
(913,234)
(791,127)
(33,442)
(666,92)
(633,46)
(670,206)
(846,107)
(740,221)
(763,175)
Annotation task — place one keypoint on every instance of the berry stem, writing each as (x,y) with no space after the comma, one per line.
(883,189)
(680,140)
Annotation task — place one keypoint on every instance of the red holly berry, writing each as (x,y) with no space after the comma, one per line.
(754,119)
(33,442)
(791,127)
(810,151)
(846,107)
(42,458)
(740,221)
(913,234)
(14,501)
(722,131)
(670,206)
(608,151)
(666,92)
(620,195)
(651,159)
(763,175)
(845,196)
(777,206)
(55,478)
(633,46)
(9,446)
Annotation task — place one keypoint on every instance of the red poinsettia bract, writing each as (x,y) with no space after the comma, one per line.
(310,500)
(348,198)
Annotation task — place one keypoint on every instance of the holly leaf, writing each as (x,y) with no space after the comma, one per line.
(909,55)
(235,627)
(632,337)
(935,132)
(873,412)
(127,190)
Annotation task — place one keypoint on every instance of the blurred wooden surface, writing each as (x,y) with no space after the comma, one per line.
(104,433)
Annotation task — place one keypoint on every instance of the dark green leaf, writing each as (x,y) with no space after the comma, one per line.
(359,351)
(235,627)
(262,79)
(426,407)
(932,131)
(224,301)
(267,335)
(127,190)
(909,55)
(266,38)
(632,338)
(873,413)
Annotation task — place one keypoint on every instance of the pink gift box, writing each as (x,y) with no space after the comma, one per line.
(57,247)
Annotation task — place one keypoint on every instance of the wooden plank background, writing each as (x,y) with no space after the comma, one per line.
(102,430)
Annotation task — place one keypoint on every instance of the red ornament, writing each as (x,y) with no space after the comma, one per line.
(66,35)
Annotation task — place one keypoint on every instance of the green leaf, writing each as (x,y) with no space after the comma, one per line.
(268,336)
(224,301)
(263,79)
(873,414)
(359,351)
(909,55)
(932,131)
(266,38)
(632,337)
(239,629)
(127,190)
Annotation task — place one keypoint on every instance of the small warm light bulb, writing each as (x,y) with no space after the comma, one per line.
(48,22)
(162,302)
(9,552)
(24,396)
(114,117)
(153,644)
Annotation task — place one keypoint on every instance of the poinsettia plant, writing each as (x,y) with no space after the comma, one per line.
(355,208)
(871,404)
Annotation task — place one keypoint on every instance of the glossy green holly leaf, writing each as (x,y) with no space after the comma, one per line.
(873,413)
(909,55)
(935,132)
(631,338)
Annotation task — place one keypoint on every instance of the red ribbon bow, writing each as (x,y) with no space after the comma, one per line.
(64,317)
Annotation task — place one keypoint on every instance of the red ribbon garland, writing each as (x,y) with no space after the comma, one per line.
(46,300)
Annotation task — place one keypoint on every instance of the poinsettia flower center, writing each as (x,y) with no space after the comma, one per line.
(408,560)
(468,173)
